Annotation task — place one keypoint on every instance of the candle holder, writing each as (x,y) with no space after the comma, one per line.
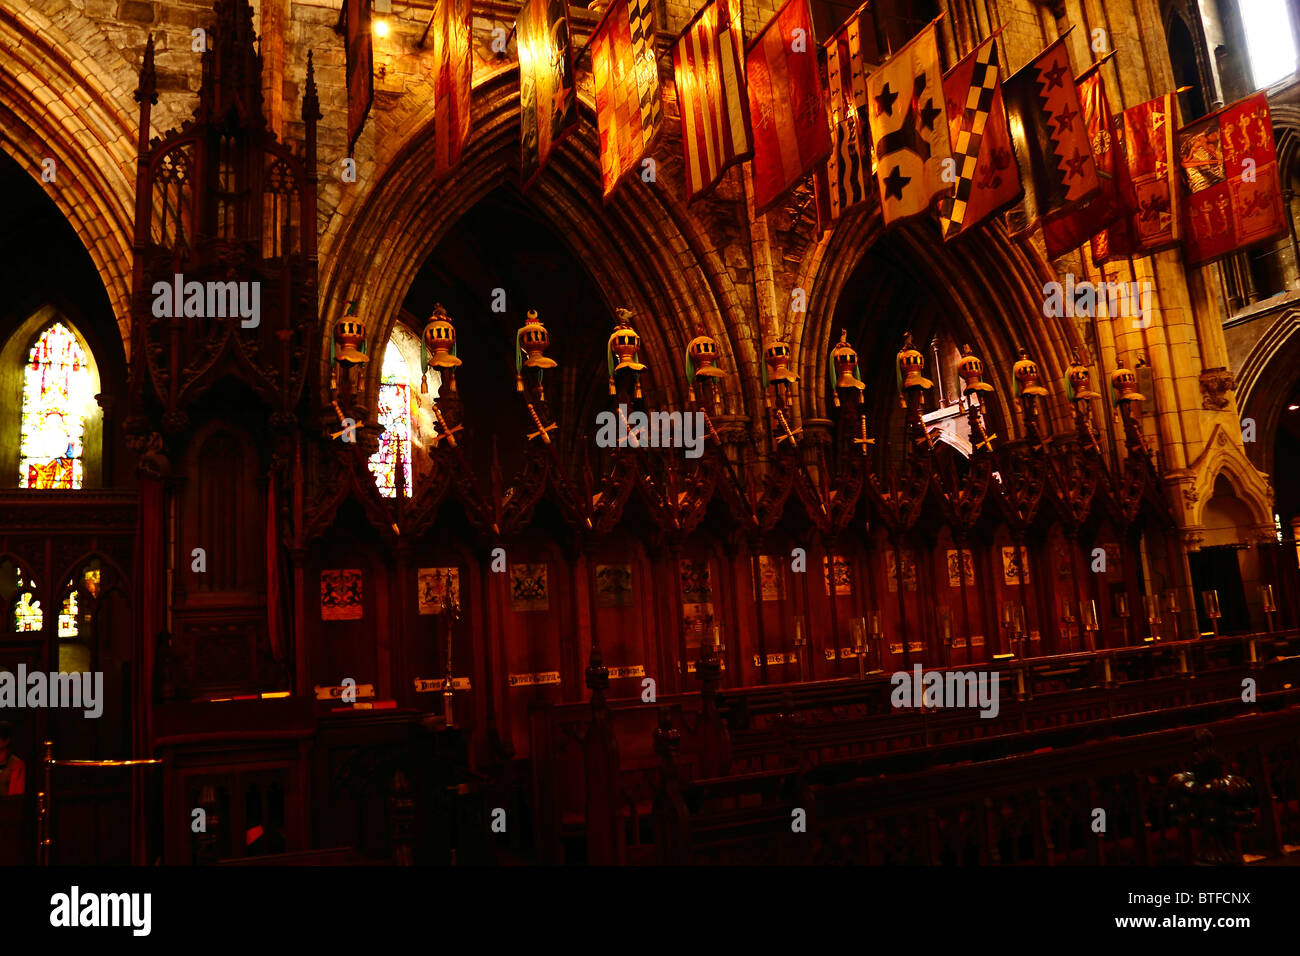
(1270,604)
(1210,601)
(859,629)
(801,646)
(945,626)
(452,612)
(1088,614)
(877,636)
(1069,624)
(709,666)
(1151,604)
(1171,600)
(1013,622)
(945,633)
(1123,613)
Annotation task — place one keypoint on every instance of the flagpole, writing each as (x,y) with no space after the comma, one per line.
(1096,65)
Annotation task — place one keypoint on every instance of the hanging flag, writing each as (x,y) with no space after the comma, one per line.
(1229,165)
(791,135)
(548,101)
(1145,134)
(453,68)
(1076,225)
(983,160)
(1050,138)
(1113,242)
(710,81)
(909,129)
(629,111)
(822,199)
(358,45)
(849,167)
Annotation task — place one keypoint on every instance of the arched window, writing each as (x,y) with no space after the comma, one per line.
(17,596)
(395,416)
(58,390)
(78,609)
(1270,42)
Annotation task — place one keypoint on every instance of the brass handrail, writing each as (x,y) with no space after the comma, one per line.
(45,797)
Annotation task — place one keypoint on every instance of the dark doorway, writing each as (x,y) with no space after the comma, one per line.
(1218,569)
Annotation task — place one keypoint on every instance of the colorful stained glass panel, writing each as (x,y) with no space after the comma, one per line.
(68,616)
(27,613)
(395,416)
(56,392)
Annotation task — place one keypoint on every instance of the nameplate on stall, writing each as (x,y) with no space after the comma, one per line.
(790,658)
(895,648)
(690,666)
(847,653)
(336,693)
(429,686)
(977,640)
(528,680)
(631,670)
(915,647)
(959,642)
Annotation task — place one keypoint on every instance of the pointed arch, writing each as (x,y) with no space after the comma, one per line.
(671,275)
(1004,281)
(396,411)
(51,426)
(65,95)
(1224,457)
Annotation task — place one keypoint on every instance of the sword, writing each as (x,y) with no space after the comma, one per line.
(447,433)
(788,433)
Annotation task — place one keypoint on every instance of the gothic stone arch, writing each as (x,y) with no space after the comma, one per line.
(645,251)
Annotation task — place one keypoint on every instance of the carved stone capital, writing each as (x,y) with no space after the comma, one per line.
(1216,383)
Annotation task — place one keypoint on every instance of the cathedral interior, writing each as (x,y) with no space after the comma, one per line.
(367,582)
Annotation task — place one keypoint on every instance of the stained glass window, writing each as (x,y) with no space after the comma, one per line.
(68,616)
(56,391)
(27,613)
(395,415)
(27,610)
(17,601)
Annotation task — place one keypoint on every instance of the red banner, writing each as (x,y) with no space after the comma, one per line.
(1073,229)
(1229,165)
(1051,139)
(360,71)
(453,70)
(1150,192)
(791,133)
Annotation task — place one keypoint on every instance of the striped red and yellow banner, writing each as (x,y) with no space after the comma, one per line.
(791,132)
(709,76)
(629,111)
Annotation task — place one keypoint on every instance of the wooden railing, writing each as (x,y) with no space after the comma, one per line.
(1105,802)
(1044,702)
(45,803)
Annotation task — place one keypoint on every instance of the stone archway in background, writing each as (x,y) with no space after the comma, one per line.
(66,94)
(643,249)
(994,301)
